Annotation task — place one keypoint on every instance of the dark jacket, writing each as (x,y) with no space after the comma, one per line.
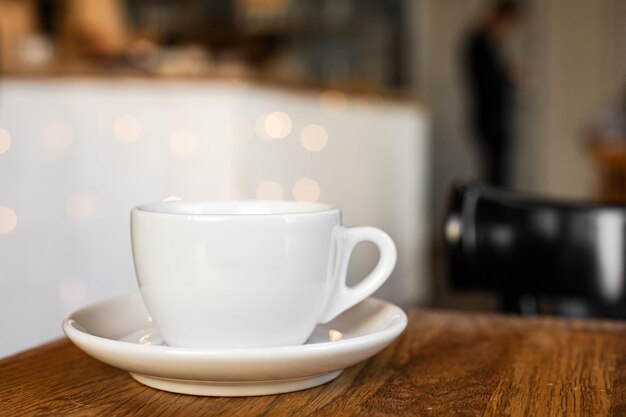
(490,86)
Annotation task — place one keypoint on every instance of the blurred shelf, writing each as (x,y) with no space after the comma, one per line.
(115,73)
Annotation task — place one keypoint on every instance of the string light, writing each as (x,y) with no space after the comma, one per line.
(8,220)
(270,190)
(277,125)
(5,141)
(306,190)
(314,138)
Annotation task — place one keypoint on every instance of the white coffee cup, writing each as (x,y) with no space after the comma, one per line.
(247,274)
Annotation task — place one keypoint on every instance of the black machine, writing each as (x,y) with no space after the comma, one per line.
(521,245)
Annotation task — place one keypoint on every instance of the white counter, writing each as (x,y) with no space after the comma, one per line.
(83,152)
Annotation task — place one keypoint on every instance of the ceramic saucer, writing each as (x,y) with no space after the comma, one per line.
(120,333)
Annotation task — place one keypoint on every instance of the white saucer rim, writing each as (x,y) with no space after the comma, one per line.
(235,388)
(388,333)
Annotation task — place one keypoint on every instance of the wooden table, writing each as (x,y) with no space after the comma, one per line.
(445,364)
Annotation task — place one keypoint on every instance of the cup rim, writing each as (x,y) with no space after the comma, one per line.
(235,208)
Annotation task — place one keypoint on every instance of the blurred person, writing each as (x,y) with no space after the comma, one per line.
(490,84)
(93,29)
(17,23)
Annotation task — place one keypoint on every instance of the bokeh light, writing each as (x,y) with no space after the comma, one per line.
(314,138)
(8,220)
(183,142)
(335,335)
(277,125)
(5,141)
(306,190)
(58,135)
(172,198)
(72,290)
(270,190)
(127,128)
(79,207)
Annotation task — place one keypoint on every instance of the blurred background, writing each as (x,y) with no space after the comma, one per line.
(375,106)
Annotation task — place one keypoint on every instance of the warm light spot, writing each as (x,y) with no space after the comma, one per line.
(335,335)
(269,190)
(172,198)
(306,190)
(8,220)
(183,142)
(453,229)
(79,207)
(333,101)
(72,290)
(59,135)
(240,130)
(127,128)
(314,138)
(5,141)
(277,125)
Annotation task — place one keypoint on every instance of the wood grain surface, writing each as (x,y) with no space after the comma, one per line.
(445,364)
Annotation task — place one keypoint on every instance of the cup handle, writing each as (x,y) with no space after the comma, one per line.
(343,297)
